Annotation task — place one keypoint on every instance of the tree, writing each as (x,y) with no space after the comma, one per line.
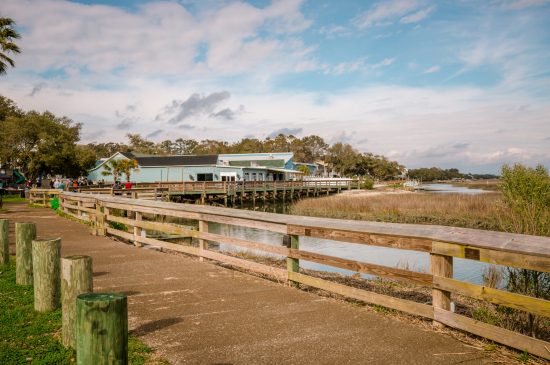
(127,166)
(38,144)
(7,36)
(304,169)
(114,168)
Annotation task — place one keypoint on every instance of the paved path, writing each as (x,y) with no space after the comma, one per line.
(200,313)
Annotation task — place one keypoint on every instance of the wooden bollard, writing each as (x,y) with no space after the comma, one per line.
(4,242)
(46,254)
(25,233)
(101,329)
(76,279)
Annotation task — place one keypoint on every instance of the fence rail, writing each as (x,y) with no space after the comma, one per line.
(442,244)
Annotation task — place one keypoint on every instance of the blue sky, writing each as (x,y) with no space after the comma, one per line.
(447,83)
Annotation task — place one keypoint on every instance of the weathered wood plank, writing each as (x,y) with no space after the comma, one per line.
(154,226)
(243,243)
(402,305)
(275,272)
(497,334)
(361,237)
(522,302)
(524,261)
(169,246)
(365,268)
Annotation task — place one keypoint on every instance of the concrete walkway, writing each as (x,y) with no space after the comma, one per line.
(200,313)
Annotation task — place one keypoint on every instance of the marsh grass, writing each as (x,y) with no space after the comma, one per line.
(478,211)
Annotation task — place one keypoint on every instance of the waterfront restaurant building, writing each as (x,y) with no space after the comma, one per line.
(222,167)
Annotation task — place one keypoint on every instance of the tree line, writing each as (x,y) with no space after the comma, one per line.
(341,157)
(436,173)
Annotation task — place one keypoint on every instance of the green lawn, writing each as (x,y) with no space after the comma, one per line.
(13,199)
(29,337)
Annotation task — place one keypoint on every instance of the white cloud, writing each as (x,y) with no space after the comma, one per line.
(433,69)
(358,65)
(418,16)
(523,4)
(157,38)
(388,12)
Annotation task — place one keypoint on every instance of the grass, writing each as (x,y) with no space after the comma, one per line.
(478,211)
(13,199)
(29,337)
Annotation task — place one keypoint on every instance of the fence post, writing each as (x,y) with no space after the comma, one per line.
(100,219)
(203,244)
(46,254)
(137,230)
(25,233)
(4,242)
(76,278)
(101,329)
(441,265)
(292,265)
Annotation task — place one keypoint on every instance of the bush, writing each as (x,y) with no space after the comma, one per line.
(526,210)
(367,184)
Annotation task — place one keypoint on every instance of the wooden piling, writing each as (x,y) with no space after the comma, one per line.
(137,230)
(46,254)
(441,265)
(101,329)
(76,279)
(4,242)
(25,233)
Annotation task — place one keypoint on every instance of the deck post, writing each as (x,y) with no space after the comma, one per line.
(46,255)
(4,242)
(137,230)
(76,278)
(441,265)
(203,244)
(292,265)
(25,233)
(99,219)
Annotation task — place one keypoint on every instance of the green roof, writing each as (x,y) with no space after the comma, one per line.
(260,163)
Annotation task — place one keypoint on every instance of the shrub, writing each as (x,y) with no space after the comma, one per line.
(526,210)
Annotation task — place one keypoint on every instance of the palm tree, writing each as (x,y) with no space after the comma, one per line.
(114,167)
(7,35)
(127,166)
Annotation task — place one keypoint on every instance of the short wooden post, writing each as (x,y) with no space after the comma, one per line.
(79,206)
(101,329)
(4,242)
(76,279)
(441,265)
(46,254)
(25,233)
(137,230)
(203,244)
(292,265)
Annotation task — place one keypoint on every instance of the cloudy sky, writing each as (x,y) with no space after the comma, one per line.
(448,83)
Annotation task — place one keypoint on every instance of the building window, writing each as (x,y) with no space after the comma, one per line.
(254,177)
(261,176)
(205,177)
(246,176)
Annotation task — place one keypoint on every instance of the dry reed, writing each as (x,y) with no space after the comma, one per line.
(472,211)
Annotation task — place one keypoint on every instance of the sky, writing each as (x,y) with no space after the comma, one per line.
(457,83)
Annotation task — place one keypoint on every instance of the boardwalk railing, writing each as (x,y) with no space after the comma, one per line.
(42,197)
(132,219)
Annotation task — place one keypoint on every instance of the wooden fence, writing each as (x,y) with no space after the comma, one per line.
(442,244)
(42,197)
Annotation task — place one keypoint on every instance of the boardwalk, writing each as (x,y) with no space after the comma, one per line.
(200,313)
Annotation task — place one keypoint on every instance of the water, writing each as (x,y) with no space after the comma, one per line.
(448,188)
(465,270)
